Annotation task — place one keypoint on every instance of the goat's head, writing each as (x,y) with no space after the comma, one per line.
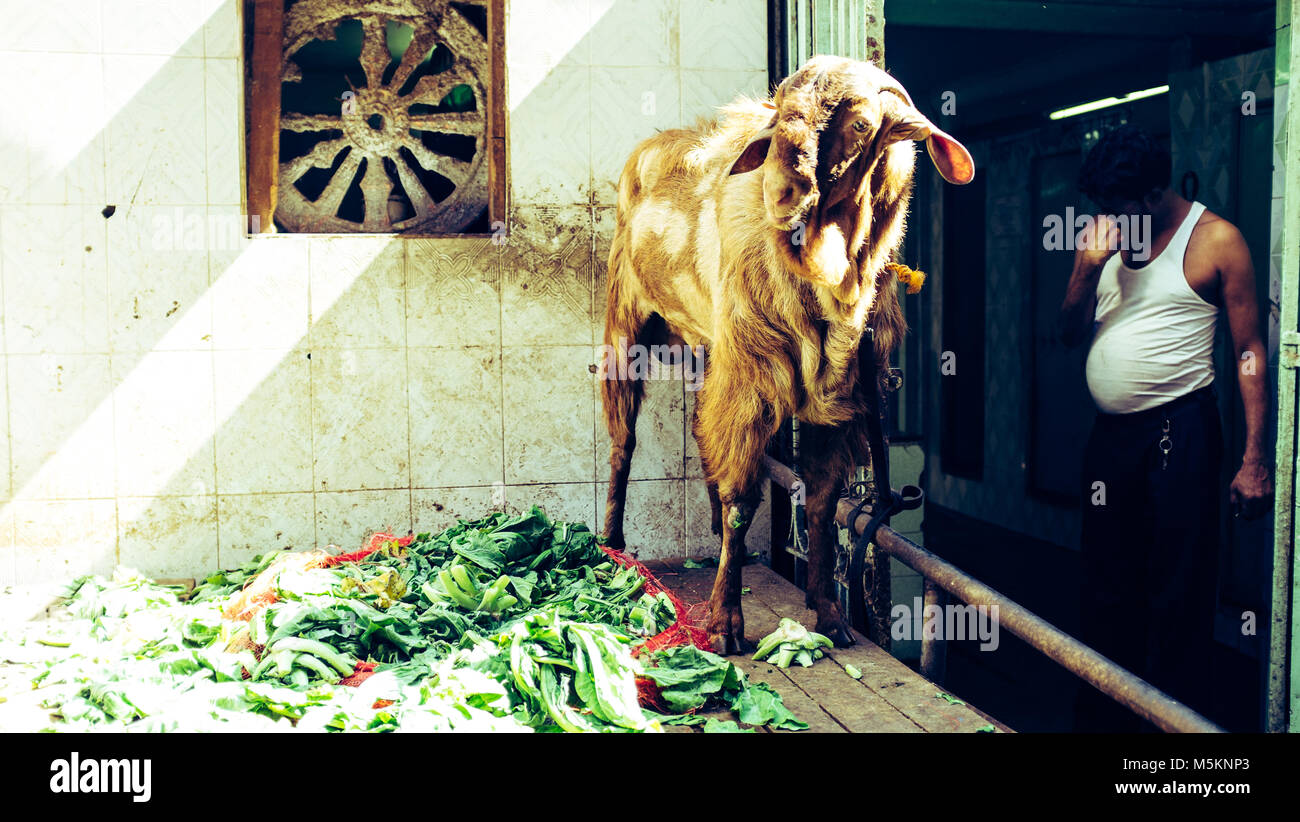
(832,122)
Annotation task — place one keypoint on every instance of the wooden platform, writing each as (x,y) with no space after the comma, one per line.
(890,697)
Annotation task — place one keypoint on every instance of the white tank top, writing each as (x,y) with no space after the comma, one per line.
(1154,339)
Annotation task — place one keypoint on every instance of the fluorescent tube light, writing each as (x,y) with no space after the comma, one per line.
(1107,102)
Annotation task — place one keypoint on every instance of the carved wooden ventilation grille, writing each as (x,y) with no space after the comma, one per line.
(402,148)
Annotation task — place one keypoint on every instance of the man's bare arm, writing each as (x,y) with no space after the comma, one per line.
(1252,485)
(1074,322)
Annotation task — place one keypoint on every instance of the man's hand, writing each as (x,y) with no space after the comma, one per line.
(1096,246)
(1251,490)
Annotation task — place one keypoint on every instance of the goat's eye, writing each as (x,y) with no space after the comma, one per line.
(860,126)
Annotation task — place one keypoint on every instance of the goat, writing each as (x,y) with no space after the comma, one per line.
(777,274)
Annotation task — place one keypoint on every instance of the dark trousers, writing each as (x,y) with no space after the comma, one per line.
(1150,552)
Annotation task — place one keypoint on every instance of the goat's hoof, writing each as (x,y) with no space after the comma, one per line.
(726,630)
(616,542)
(832,624)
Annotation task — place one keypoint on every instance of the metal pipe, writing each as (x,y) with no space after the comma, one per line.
(1129,690)
(934,650)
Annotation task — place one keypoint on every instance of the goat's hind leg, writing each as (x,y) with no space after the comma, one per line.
(621,390)
(734,430)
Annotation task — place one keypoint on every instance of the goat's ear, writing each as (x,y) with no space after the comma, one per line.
(949,156)
(754,154)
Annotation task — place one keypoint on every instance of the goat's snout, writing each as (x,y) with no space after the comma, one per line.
(786,197)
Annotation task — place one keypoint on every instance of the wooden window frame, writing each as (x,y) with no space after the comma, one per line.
(264,39)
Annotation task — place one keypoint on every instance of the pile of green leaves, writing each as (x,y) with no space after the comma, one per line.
(497,624)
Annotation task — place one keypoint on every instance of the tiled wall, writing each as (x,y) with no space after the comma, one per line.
(178,398)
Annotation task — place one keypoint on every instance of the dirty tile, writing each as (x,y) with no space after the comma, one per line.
(456,436)
(347,519)
(55,279)
(154,155)
(357,293)
(158,280)
(61,425)
(65,145)
(700,539)
(604,220)
(546,278)
(654,518)
(642,33)
(453,293)
(62,540)
(263,411)
(660,427)
(437,509)
(252,524)
(550,165)
(163,418)
(359,419)
(549,414)
(570,501)
(169,537)
(259,292)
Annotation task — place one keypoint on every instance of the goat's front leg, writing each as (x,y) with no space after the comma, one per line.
(734,427)
(824,463)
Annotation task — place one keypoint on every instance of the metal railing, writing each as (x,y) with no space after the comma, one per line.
(1127,689)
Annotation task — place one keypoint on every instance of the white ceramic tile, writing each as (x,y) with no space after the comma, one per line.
(455,397)
(357,298)
(156,147)
(653,518)
(359,419)
(8,555)
(6,442)
(259,293)
(263,407)
(604,219)
(550,138)
(252,524)
(348,519)
(221,32)
(546,278)
(55,285)
(61,425)
(634,32)
(168,537)
(61,146)
(158,279)
(549,415)
(700,541)
(55,25)
(704,91)
(660,427)
(61,540)
(548,32)
(453,293)
(568,502)
(163,27)
(223,130)
(163,416)
(628,105)
(724,34)
(437,509)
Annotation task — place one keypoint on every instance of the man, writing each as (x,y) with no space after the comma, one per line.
(1151,466)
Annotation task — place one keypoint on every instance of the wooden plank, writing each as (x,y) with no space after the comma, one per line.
(496,105)
(908,692)
(263,112)
(693,586)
